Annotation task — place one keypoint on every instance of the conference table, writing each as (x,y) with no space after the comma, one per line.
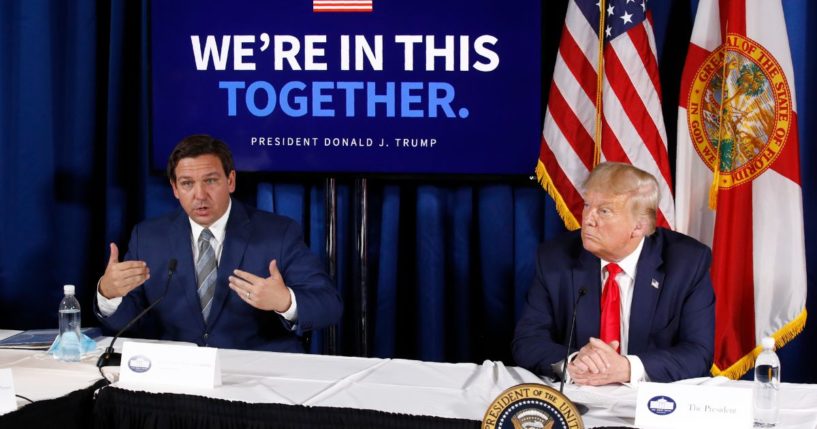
(264,389)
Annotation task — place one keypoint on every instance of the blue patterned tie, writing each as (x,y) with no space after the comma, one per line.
(206,272)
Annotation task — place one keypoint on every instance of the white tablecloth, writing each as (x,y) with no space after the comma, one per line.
(462,390)
(615,405)
(38,376)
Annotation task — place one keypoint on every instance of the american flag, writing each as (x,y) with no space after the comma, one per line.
(632,125)
(342,5)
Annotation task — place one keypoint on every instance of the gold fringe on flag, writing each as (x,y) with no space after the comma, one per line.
(564,212)
(781,338)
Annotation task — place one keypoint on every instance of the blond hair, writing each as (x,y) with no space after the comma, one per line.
(639,187)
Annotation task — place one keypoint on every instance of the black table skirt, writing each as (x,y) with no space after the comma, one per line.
(72,411)
(118,408)
(124,409)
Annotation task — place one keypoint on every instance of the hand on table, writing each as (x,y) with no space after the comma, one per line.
(598,363)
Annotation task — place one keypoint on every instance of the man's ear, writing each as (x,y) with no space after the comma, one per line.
(231,181)
(175,190)
(640,229)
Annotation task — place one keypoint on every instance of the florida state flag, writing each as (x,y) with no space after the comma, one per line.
(738,175)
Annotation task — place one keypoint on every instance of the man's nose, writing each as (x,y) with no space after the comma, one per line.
(198,191)
(589,218)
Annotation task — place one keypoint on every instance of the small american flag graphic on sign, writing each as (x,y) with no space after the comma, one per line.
(342,5)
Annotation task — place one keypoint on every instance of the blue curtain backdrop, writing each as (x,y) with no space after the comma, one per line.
(450,260)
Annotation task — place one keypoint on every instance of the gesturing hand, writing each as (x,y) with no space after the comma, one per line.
(122,277)
(268,293)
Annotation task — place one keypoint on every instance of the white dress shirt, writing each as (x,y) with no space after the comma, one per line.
(626,284)
(219,231)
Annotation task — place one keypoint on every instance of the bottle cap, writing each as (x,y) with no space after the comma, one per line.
(768,343)
(68,289)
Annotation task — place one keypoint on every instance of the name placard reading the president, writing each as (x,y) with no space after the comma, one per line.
(669,405)
(146,364)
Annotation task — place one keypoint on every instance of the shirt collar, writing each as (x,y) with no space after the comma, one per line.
(629,263)
(218,228)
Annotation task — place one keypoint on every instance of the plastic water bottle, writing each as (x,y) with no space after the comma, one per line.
(767,386)
(69,347)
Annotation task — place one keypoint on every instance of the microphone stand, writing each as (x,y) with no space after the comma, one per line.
(112,358)
(580,407)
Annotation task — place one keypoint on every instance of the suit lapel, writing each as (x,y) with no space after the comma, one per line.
(648,282)
(232,253)
(587,274)
(181,247)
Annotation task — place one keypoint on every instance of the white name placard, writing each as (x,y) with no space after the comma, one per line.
(150,364)
(8,402)
(672,405)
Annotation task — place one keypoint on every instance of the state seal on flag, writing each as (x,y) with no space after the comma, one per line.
(739,110)
(532,406)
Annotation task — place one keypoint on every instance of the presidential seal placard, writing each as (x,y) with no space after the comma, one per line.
(529,406)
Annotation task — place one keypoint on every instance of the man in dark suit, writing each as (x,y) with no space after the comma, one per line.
(656,321)
(279,288)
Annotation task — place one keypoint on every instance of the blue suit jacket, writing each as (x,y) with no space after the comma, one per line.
(252,239)
(672,327)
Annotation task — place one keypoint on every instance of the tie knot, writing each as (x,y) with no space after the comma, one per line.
(205,235)
(612,269)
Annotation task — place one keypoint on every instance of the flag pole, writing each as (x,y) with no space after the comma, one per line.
(599,83)
(716,169)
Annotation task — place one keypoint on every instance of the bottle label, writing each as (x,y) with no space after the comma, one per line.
(767,373)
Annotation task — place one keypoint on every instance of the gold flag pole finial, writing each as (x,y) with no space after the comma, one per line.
(599,83)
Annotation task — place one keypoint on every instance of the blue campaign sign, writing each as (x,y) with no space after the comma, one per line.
(404,87)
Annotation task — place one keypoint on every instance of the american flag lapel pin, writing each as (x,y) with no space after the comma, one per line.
(654,283)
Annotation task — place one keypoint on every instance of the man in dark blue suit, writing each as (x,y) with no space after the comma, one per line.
(660,314)
(279,288)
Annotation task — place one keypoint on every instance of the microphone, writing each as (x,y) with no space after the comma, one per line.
(111,358)
(580,407)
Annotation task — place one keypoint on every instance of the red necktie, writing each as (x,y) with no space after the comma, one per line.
(611,306)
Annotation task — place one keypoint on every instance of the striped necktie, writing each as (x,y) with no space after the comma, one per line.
(206,272)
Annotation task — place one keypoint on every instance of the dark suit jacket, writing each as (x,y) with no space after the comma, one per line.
(672,327)
(252,239)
